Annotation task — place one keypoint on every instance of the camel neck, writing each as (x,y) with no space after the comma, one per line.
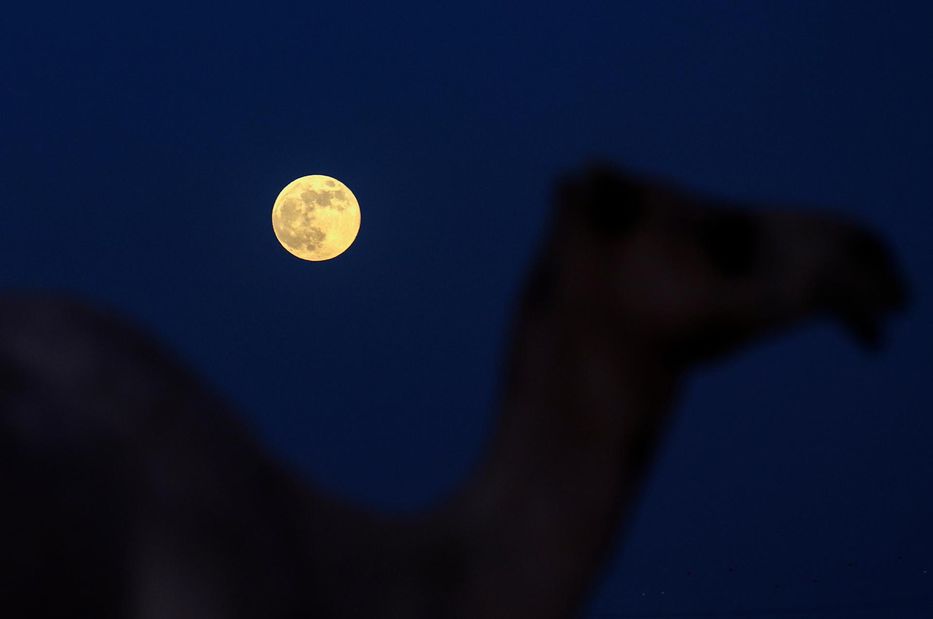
(525,535)
(579,423)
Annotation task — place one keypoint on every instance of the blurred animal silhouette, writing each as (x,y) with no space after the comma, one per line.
(131,491)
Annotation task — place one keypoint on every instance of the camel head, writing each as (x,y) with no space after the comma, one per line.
(691,278)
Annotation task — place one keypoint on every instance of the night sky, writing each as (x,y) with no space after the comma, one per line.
(141,150)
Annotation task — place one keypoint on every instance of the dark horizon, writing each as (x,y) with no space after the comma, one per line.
(142,152)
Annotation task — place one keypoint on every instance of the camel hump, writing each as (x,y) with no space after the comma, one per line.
(110,446)
(67,482)
(72,374)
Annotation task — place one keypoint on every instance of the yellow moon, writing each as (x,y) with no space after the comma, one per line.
(316,217)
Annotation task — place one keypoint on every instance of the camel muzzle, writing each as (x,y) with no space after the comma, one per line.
(865,288)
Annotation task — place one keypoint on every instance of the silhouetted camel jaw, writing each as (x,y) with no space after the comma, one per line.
(866,286)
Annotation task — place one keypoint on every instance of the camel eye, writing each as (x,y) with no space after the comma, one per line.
(731,241)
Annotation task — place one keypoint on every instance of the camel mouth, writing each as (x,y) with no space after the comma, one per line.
(866,289)
(866,329)
(868,303)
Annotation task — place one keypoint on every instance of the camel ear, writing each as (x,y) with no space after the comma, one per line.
(609,202)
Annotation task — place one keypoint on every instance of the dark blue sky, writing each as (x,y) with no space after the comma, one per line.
(141,150)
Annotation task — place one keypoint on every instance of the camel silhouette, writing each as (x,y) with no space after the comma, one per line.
(131,490)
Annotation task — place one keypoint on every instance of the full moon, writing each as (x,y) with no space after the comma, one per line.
(316,217)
